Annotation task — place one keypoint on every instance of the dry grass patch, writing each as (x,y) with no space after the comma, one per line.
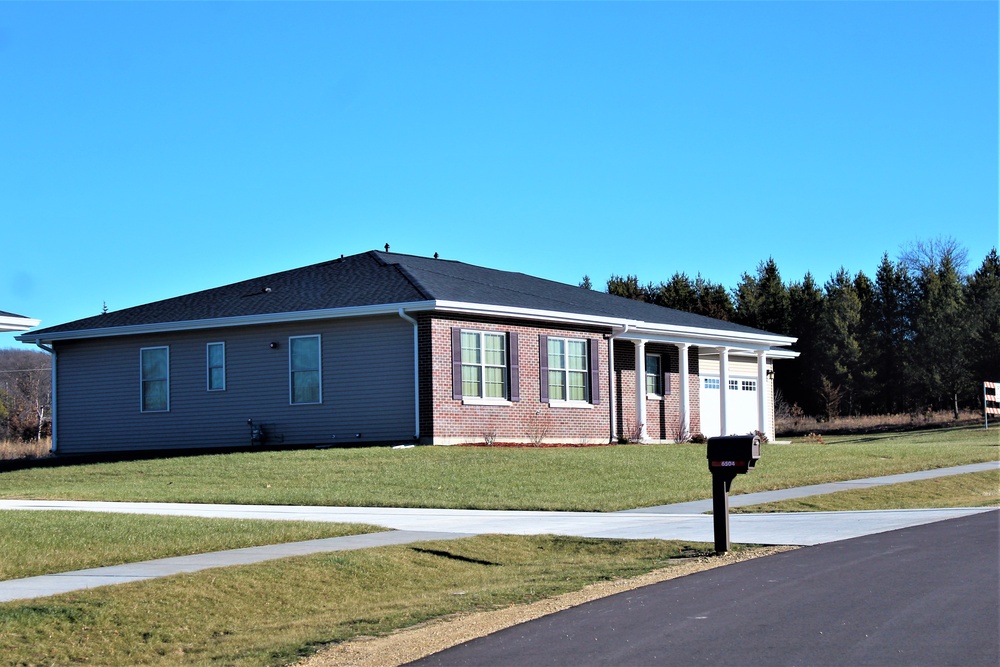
(16,449)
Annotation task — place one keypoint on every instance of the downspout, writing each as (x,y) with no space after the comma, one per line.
(611,379)
(416,374)
(52,382)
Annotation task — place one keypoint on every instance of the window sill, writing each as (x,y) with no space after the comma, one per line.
(571,404)
(485,401)
(654,397)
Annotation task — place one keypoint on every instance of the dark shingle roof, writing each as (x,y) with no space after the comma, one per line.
(455,281)
(374,278)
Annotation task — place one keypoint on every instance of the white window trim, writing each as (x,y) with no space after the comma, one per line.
(571,404)
(143,380)
(208,367)
(656,396)
(482,398)
(472,400)
(588,391)
(319,370)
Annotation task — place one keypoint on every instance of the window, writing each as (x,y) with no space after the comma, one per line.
(484,365)
(154,364)
(304,369)
(216,363)
(734,385)
(748,385)
(654,378)
(712,383)
(568,369)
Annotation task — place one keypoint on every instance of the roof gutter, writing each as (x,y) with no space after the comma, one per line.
(649,331)
(215,323)
(749,340)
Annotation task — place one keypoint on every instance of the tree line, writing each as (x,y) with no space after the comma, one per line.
(25,395)
(920,334)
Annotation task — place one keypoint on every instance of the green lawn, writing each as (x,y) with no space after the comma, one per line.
(45,542)
(580,479)
(272,613)
(978,489)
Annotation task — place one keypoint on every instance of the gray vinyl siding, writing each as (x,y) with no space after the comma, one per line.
(367,380)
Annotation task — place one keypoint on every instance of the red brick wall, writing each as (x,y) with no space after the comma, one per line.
(445,420)
(663,415)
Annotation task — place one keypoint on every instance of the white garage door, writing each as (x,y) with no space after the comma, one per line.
(741,404)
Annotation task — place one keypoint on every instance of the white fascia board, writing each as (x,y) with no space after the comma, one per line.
(9,323)
(635,329)
(241,321)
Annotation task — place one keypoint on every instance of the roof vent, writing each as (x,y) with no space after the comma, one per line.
(387,247)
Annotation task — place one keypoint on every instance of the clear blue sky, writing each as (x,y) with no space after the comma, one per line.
(154,149)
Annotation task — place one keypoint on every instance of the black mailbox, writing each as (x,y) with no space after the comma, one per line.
(733,453)
(728,456)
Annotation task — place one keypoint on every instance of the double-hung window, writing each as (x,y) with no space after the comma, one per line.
(154,380)
(569,371)
(216,364)
(654,378)
(484,365)
(304,370)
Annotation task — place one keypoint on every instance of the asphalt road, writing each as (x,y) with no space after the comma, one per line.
(927,595)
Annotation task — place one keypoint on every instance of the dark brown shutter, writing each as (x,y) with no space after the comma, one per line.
(515,370)
(543,368)
(595,372)
(456,363)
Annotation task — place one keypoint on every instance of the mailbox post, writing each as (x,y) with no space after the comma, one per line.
(728,456)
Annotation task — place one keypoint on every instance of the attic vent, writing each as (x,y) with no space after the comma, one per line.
(263,290)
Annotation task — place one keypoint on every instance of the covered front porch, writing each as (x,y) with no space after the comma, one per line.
(668,388)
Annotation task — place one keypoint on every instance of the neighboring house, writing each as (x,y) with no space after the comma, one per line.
(12,322)
(382,347)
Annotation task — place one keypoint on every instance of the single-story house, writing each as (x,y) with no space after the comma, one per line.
(383,347)
(12,322)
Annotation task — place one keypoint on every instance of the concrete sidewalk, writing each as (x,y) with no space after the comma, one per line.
(412,525)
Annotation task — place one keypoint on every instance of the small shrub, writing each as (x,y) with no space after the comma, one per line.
(699,438)
(538,428)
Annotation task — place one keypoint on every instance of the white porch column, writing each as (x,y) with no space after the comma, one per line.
(723,389)
(640,388)
(763,389)
(611,388)
(682,348)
